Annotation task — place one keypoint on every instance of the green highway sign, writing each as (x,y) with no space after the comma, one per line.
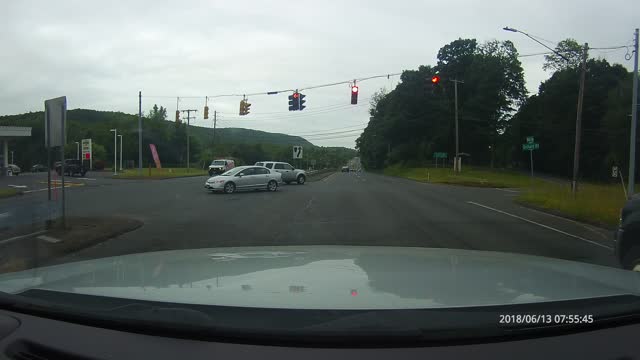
(530,140)
(532,146)
(440,155)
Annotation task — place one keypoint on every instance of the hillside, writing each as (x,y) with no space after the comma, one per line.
(245,145)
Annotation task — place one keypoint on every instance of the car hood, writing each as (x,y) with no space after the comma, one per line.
(330,277)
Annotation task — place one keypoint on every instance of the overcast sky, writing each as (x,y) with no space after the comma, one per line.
(99,54)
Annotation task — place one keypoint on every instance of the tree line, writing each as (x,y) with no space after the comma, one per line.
(245,146)
(496,115)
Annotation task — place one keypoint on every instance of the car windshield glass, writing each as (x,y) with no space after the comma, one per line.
(417,155)
(231,172)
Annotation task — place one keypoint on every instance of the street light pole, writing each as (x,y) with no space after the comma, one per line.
(576,149)
(120,136)
(12,157)
(456,160)
(77,150)
(115,150)
(634,121)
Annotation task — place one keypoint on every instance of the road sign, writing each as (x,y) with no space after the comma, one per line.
(614,172)
(87,151)
(55,116)
(530,140)
(297,152)
(440,155)
(534,146)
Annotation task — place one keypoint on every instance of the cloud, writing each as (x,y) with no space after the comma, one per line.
(101,54)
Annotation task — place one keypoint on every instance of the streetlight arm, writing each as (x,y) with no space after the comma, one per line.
(506,28)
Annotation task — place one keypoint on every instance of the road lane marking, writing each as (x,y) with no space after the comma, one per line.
(18,186)
(541,225)
(5,241)
(508,190)
(585,226)
(49,239)
(83,178)
(45,189)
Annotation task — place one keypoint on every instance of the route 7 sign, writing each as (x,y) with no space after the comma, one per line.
(534,146)
(297,152)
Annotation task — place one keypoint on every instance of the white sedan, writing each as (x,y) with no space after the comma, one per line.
(245,178)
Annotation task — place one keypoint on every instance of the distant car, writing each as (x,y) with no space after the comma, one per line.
(345,169)
(289,173)
(627,236)
(221,165)
(38,168)
(15,169)
(71,167)
(244,178)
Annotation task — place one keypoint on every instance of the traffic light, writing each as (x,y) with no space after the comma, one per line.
(244,107)
(435,79)
(354,95)
(177,115)
(294,101)
(302,101)
(206,112)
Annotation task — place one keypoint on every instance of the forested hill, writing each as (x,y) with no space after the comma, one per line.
(245,145)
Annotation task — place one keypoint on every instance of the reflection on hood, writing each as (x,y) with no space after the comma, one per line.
(331,277)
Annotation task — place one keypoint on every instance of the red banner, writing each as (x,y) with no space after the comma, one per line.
(156,158)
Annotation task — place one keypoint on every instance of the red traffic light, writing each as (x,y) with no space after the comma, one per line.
(354,89)
(296,95)
(435,79)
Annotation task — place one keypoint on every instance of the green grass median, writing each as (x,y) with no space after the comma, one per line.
(164,173)
(5,193)
(598,204)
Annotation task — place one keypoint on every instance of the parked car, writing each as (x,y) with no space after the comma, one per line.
(38,168)
(15,169)
(221,165)
(627,236)
(345,169)
(289,173)
(71,167)
(245,178)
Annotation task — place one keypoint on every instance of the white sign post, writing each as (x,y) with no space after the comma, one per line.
(297,152)
(55,118)
(87,153)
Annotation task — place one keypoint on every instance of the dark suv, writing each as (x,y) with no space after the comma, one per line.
(627,235)
(71,167)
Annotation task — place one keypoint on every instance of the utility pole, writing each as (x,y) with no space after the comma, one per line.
(213,142)
(576,150)
(120,136)
(139,132)
(188,118)
(456,160)
(634,121)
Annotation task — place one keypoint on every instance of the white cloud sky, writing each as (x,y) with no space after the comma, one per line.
(99,54)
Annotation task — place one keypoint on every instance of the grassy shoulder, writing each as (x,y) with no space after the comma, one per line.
(5,193)
(477,177)
(598,204)
(158,174)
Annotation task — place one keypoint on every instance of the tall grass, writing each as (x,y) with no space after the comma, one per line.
(593,203)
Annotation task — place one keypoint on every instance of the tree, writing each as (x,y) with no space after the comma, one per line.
(571,50)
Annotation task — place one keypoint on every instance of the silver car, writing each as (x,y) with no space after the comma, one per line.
(244,178)
(289,173)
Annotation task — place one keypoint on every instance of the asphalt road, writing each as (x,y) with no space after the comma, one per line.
(344,208)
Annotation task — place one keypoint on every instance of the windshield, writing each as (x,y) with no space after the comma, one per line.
(232,172)
(408,155)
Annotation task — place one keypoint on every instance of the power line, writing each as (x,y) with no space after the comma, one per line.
(276,91)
